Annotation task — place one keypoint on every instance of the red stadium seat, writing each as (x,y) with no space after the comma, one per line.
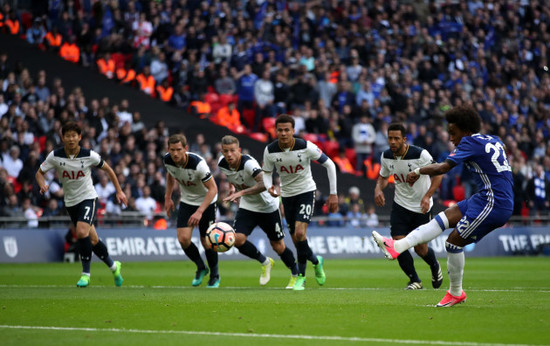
(118,58)
(225,99)
(313,138)
(352,156)
(26,19)
(248,116)
(331,148)
(262,137)
(268,125)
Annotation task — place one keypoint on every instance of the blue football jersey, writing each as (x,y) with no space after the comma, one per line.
(484,155)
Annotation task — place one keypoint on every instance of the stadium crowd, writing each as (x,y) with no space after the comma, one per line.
(343,69)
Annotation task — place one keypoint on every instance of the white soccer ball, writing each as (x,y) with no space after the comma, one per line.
(221,236)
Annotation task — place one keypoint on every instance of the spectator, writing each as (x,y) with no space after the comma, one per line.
(142,30)
(355,218)
(30,213)
(159,67)
(12,163)
(104,188)
(354,198)
(70,51)
(224,84)
(343,163)
(145,204)
(245,86)
(52,208)
(264,96)
(36,33)
(53,40)
(222,51)
(363,135)
(146,81)
(539,192)
(229,117)
(371,218)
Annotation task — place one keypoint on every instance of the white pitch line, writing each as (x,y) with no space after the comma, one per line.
(511,290)
(265,336)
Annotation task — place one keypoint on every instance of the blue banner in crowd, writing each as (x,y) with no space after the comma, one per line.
(143,244)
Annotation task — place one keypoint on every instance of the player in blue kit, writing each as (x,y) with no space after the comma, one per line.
(73,164)
(472,219)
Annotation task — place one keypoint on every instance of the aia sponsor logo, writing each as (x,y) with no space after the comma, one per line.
(73,175)
(290,169)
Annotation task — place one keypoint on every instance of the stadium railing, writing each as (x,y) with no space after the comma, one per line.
(134,219)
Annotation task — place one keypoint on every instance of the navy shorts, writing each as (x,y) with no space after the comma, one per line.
(403,221)
(299,208)
(480,217)
(84,211)
(208,217)
(270,223)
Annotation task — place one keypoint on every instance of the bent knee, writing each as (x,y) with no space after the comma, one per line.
(240,239)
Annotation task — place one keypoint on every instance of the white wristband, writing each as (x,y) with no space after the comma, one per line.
(417,171)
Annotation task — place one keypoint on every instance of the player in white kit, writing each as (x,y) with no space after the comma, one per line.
(197,205)
(412,204)
(256,208)
(73,165)
(292,157)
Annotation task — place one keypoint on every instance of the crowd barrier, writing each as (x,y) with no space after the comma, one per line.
(144,244)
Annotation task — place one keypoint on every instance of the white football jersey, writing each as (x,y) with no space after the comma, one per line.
(407,196)
(75,173)
(191,178)
(293,165)
(243,178)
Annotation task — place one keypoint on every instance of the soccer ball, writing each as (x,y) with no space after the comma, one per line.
(221,236)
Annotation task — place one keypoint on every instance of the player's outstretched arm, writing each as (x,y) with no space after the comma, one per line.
(253,190)
(425,202)
(332,200)
(208,198)
(120,195)
(168,203)
(431,170)
(379,197)
(41,181)
(268,184)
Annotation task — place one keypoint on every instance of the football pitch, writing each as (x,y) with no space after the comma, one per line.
(362,302)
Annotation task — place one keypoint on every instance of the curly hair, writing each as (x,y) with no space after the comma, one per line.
(465,118)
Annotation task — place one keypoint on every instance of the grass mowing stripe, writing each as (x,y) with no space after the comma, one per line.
(253,335)
(512,290)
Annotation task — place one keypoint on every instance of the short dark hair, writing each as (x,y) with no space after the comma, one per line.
(70,126)
(465,118)
(178,138)
(284,118)
(396,126)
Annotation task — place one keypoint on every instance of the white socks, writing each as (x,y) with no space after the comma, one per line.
(423,234)
(455,269)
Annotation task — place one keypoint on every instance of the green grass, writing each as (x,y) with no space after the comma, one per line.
(363,302)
